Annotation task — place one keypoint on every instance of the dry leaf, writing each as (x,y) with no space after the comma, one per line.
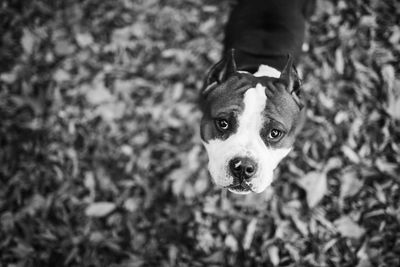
(90,183)
(84,39)
(332,164)
(231,243)
(350,154)
(393,106)
(61,76)
(63,47)
(28,41)
(388,74)
(364,263)
(363,256)
(387,167)
(131,204)
(201,184)
(97,93)
(300,225)
(314,183)
(111,111)
(339,62)
(100,209)
(273,253)
(179,179)
(215,258)
(350,184)
(348,228)
(23,250)
(251,229)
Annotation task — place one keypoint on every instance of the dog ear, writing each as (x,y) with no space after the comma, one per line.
(220,72)
(286,74)
(292,81)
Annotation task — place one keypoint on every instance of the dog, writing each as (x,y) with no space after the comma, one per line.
(251,104)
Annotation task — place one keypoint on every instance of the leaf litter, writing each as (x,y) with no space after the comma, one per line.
(101,162)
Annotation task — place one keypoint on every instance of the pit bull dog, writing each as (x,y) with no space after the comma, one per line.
(252,110)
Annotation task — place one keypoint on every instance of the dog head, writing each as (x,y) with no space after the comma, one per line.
(249,123)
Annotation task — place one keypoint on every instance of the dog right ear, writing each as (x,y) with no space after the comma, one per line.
(220,72)
(293,83)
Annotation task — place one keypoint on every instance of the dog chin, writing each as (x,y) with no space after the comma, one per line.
(241,189)
(245,191)
(240,192)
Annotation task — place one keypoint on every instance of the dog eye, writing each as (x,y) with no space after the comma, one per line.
(222,124)
(274,134)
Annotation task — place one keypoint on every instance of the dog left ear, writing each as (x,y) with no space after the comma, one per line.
(220,72)
(292,81)
(287,73)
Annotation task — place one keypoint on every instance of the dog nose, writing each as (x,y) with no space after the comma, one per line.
(242,167)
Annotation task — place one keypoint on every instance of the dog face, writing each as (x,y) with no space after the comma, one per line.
(249,125)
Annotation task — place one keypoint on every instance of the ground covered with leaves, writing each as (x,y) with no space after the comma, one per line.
(101,162)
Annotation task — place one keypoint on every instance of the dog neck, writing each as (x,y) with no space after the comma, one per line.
(250,63)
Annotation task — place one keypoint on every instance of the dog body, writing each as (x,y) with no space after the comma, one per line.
(264,32)
(251,109)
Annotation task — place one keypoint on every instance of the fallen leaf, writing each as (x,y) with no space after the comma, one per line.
(364,263)
(201,184)
(350,154)
(61,76)
(173,255)
(127,150)
(90,183)
(23,250)
(300,225)
(35,204)
(97,95)
(364,256)
(348,228)
(96,237)
(388,74)
(231,243)
(273,253)
(339,62)
(189,191)
(111,111)
(250,230)
(387,167)
(314,183)
(179,179)
(285,231)
(131,204)
(215,258)
(341,116)
(393,92)
(64,47)
(330,244)
(293,251)
(9,77)
(394,107)
(100,209)
(84,39)
(395,37)
(368,21)
(332,164)
(350,184)
(28,41)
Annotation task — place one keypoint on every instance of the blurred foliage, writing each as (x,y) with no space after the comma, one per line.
(100,157)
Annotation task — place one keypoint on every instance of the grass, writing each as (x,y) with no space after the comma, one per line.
(101,162)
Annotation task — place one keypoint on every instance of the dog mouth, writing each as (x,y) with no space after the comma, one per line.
(241,188)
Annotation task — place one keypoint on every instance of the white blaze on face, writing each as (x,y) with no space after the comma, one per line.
(246,142)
